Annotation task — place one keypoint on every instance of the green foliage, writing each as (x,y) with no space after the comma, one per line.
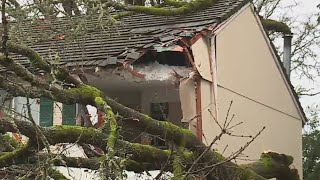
(14,143)
(113,164)
(311,148)
(55,174)
(35,58)
(175,3)
(14,155)
(181,7)
(87,93)
(71,133)
(311,155)
(175,129)
(178,163)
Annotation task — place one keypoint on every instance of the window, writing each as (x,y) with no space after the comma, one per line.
(159,111)
(46,112)
(69,114)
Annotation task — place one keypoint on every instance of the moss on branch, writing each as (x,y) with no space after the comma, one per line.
(36,60)
(175,3)
(177,135)
(150,152)
(94,163)
(33,56)
(56,175)
(180,7)
(179,162)
(15,156)
(147,157)
(72,134)
(144,123)
(274,165)
(276,26)
(86,94)
(90,95)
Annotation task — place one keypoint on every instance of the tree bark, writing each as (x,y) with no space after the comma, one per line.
(86,94)
(274,165)
(143,157)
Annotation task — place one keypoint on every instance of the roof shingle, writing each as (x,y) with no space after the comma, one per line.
(96,46)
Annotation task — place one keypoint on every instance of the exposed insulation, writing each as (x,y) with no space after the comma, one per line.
(161,72)
(151,72)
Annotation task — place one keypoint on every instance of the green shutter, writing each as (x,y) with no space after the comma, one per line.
(68,114)
(46,112)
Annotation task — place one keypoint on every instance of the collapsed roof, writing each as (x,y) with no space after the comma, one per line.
(127,39)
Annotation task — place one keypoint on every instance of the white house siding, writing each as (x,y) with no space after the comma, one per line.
(248,75)
(207,111)
(20,106)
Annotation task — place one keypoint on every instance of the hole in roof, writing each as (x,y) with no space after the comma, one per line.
(171,58)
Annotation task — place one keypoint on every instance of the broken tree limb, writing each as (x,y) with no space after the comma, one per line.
(38,61)
(56,175)
(274,165)
(177,134)
(164,129)
(13,157)
(27,172)
(94,163)
(86,94)
(180,7)
(77,134)
(146,157)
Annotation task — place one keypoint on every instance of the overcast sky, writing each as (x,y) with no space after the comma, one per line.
(304,9)
(306,6)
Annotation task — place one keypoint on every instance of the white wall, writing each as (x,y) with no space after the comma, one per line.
(20,106)
(250,77)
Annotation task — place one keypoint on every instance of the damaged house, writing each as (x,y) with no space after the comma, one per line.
(192,70)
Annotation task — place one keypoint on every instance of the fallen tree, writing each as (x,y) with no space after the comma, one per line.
(142,157)
(89,95)
(188,157)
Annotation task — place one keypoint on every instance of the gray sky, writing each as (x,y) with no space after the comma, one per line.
(306,6)
(304,9)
